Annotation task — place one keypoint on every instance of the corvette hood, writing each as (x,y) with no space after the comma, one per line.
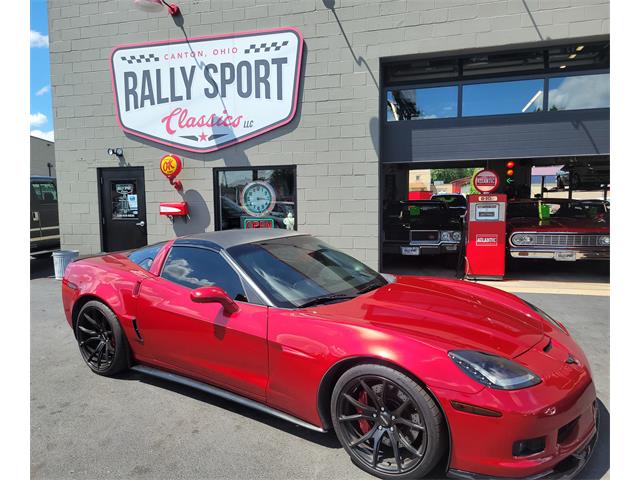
(451,314)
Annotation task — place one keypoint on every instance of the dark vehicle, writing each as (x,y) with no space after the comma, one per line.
(421,227)
(583,177)
(558,229)
(456,202)
(45,228)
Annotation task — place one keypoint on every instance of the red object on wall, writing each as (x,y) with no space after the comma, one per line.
(171,166)
(174,209)
(420,195)
(486,236)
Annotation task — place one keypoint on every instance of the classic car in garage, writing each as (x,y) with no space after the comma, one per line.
(421,227)
(558,229)
(406,370)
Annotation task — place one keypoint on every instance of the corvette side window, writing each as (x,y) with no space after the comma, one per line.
(196,267)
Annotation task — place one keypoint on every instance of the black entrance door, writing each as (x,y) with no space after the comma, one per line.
(123,208)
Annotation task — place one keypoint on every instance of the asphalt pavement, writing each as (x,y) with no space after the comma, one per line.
(86,426)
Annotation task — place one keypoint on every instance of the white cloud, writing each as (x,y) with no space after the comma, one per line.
(43,90)
(588,91)
(40,134)
(36,119)
(38,40)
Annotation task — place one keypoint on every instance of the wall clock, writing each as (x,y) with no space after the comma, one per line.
(258,198)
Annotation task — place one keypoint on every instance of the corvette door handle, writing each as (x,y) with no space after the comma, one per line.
(140,224)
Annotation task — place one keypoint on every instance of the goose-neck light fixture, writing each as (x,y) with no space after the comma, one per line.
(157,6)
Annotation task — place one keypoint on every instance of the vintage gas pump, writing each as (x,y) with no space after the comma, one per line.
(486,230)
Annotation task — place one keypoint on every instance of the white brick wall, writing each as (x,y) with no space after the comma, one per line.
(333,139)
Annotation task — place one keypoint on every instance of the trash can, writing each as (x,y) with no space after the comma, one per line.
(61,259)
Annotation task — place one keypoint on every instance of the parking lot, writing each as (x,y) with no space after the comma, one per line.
(87,426)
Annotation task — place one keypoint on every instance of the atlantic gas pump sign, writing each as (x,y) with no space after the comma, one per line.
(207,93)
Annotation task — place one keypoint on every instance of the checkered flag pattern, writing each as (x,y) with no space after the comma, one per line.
(266,47)
(141,58)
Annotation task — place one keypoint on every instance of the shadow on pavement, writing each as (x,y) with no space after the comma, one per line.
(533,270)
(597,467)
(41,266)
(325,439)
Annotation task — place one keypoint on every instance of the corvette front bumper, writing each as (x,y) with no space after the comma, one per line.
(567,469)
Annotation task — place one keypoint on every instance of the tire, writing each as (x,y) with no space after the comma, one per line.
(387,420)
(101,341)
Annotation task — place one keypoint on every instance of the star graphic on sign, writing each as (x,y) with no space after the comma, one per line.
(203,137)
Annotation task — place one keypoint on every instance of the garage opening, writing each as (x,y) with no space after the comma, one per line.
(564,201)
(536,116)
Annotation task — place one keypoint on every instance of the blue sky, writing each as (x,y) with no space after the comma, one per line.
(41,112)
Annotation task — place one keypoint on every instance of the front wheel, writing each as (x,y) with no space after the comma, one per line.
(102,343)
(387,423)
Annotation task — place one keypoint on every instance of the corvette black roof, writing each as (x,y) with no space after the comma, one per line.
(229,238)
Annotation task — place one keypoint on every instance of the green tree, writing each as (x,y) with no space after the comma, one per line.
(447,175)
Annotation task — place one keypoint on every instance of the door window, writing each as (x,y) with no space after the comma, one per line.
(124,200)
(196,267)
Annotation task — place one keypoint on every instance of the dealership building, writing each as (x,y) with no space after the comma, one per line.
(310,114)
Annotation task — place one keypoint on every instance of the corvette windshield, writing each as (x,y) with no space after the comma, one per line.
(301,271)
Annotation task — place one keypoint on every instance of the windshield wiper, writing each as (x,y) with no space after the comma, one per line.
(372,285)
(326,299)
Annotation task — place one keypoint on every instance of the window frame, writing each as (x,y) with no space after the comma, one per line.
(217,204)
(546,73)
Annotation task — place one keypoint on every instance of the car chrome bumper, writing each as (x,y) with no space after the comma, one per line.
(425,249)
(566,469)
(550,254)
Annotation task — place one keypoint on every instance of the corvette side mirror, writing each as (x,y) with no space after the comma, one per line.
(214,295)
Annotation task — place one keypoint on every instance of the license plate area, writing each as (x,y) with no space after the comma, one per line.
(564,256)
(412,251)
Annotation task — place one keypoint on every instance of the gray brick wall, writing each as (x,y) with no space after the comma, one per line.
(334,137)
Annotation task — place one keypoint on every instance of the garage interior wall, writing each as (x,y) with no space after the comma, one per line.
(334,138)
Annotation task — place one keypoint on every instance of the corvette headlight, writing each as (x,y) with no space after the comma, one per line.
(522,239)
(548,318)
(445,236)
(604,241)
(457,236)
(493,371)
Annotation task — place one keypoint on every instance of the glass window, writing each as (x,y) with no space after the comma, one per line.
(497,98)
(257,198)
(124,200)
(422,103)
(503,63)
(45,192)
(579,92)
(295,270)
(423,70)
(144,256)
(196,267)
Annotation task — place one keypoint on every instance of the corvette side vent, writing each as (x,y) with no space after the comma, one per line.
(548,346)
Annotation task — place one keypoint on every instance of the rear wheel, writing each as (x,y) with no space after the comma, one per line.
(102,343)
(387,423)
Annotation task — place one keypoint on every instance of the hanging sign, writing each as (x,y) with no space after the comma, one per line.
(207,93)
(486,181)
(170,166)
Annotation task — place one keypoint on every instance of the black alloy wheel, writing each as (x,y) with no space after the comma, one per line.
(387,423)
(100,339)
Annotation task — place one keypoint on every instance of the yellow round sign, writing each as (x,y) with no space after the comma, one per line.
(170,165)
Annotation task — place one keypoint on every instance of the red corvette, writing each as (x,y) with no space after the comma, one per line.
(405,369)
